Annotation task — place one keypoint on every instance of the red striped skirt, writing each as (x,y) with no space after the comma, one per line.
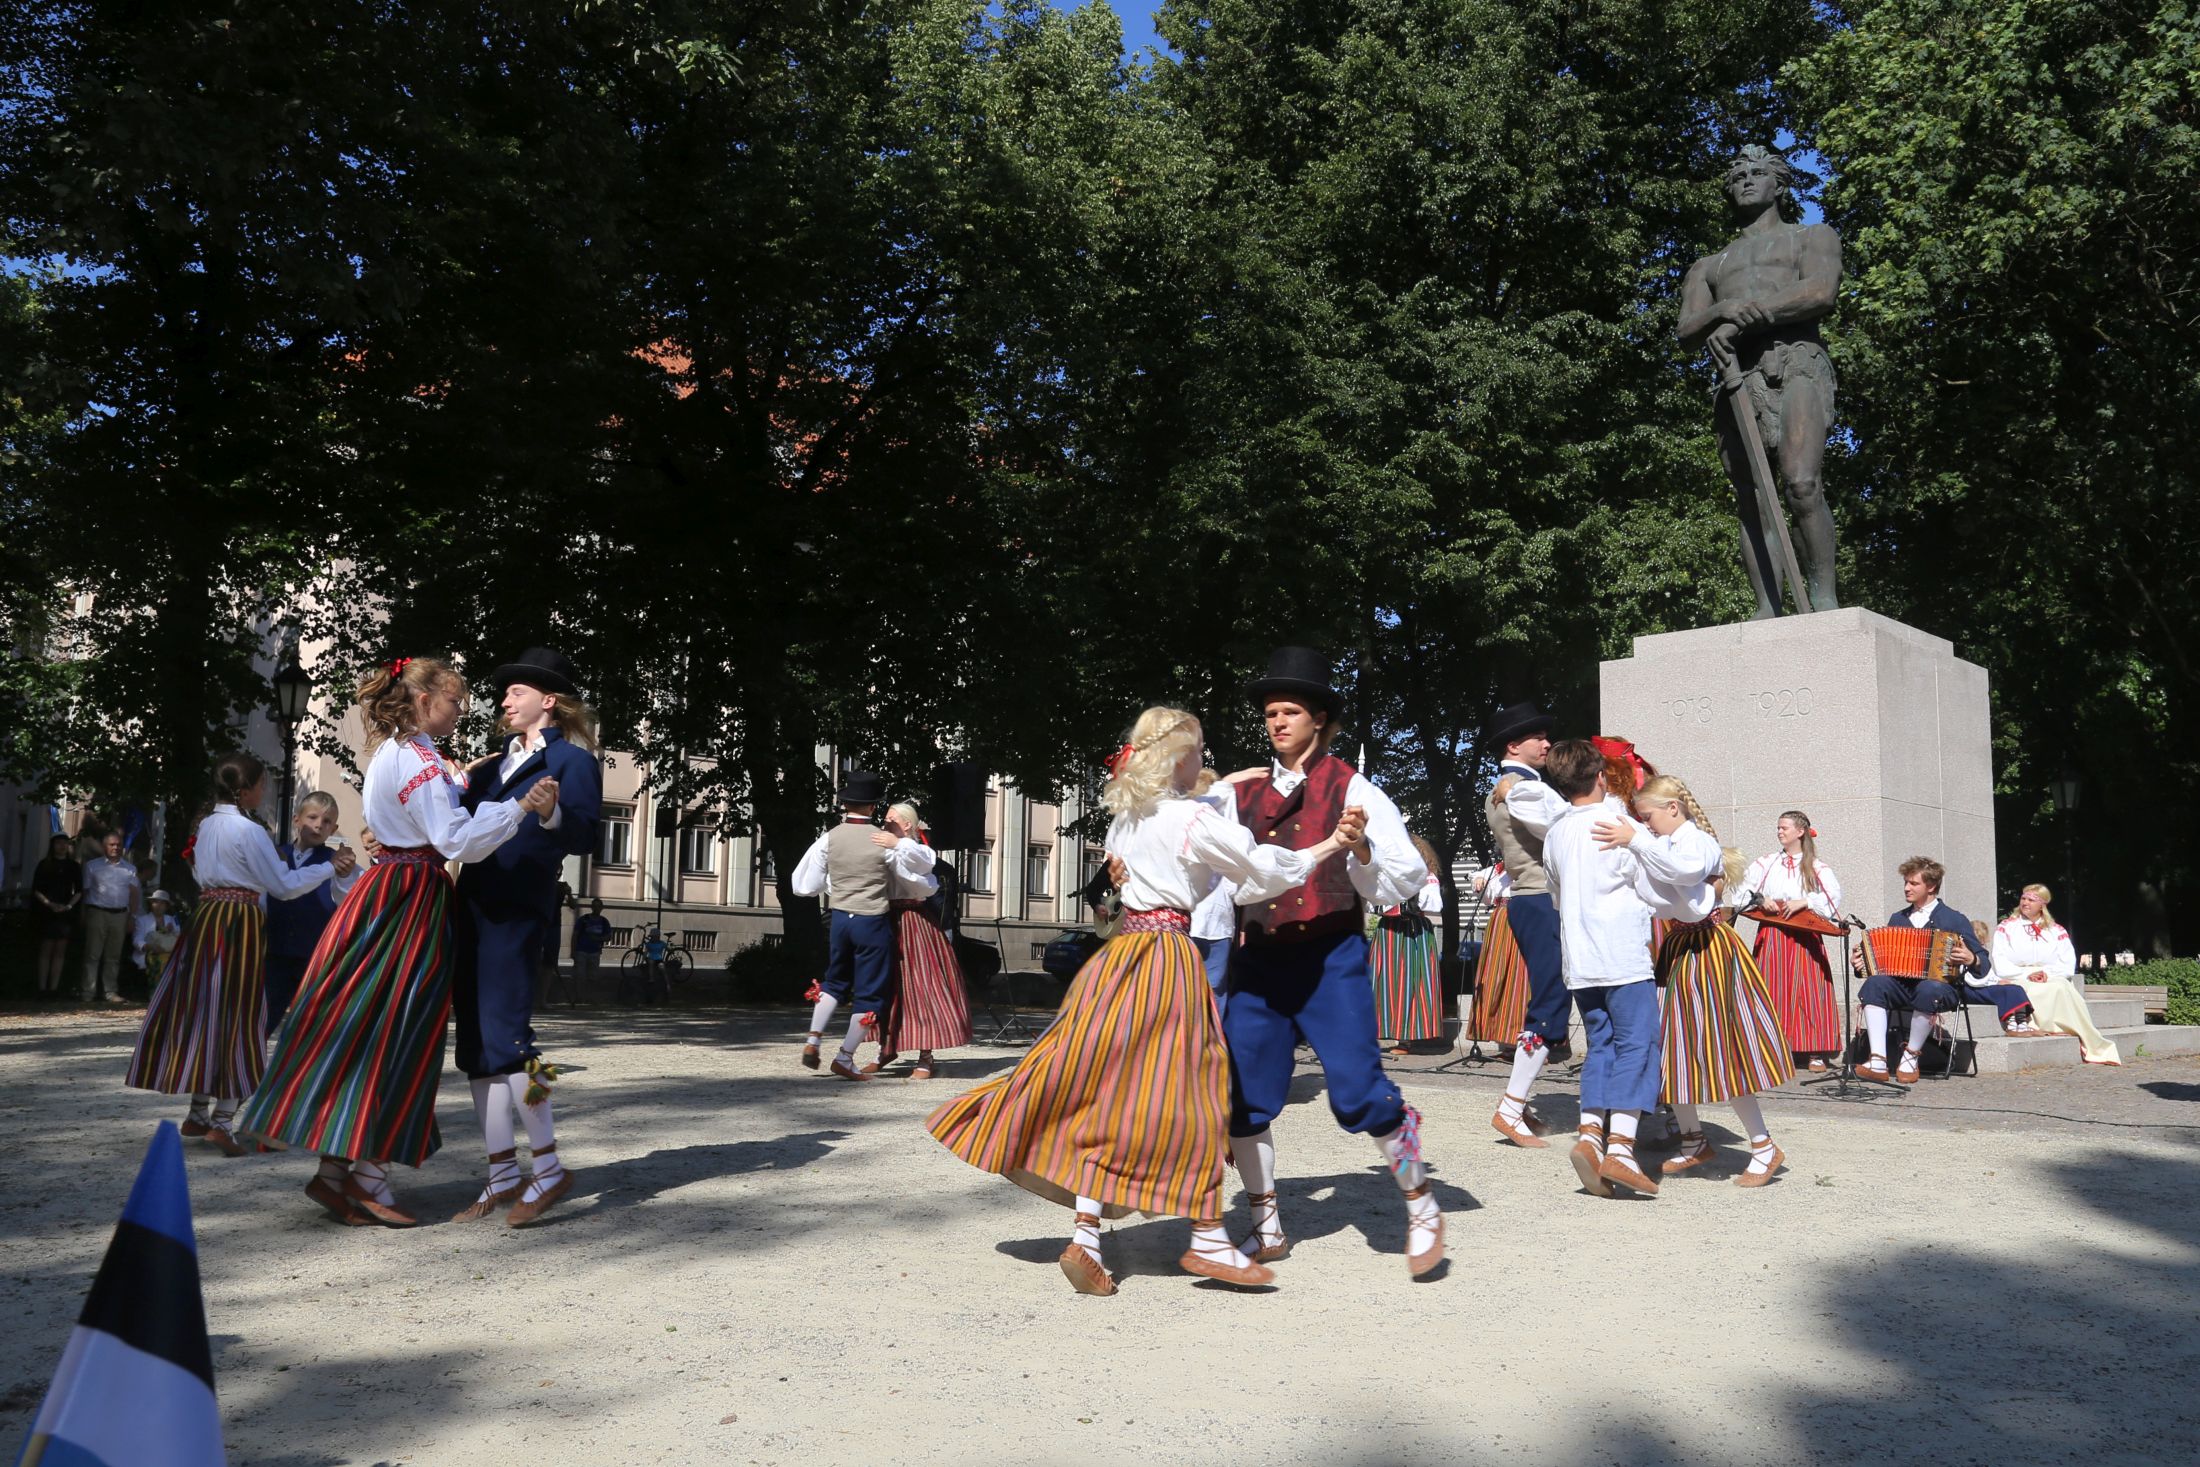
(1500,984)
(1801,982)
(1721,1038)
(205,1029)
(1409,1001)
(930,1010)
(361,1051)
(1125,1100)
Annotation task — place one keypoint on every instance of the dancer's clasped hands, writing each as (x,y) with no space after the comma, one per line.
(541,797)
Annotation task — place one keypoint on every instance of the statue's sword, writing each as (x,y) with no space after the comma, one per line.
(1735,384)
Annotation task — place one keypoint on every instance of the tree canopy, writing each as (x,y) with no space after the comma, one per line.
(925,378)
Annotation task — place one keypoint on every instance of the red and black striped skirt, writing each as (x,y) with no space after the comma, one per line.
(930,1010)
(1801,981)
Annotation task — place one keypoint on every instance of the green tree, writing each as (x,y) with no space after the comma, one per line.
(2019,188)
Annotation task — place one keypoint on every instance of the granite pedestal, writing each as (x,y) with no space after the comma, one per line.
(1876,730)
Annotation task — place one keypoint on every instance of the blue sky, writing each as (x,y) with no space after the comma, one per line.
(1137,17)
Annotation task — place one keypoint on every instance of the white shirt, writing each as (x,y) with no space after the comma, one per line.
(1604,922)
(1172,856)
(2021,949)
(1216,915)
(1676,872)
(231,849)
(909,875)
(341,885)
(111,883)
(1430,901)
(516,753)
(1393,872)
(1497,885)
(1533,803)
(159,933)
(1779,878)
(412,799)
(1922,916)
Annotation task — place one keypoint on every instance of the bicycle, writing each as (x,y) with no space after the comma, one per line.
(646,980)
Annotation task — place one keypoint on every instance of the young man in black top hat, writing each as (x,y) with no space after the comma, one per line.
(507,923)
(847,865)
(1520,807)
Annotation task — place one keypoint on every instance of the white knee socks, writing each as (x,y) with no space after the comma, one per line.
(1401,1149)
(225,1113)
(1528,1063)
(1256,1163)
(542,1139)
(1752,1117)
(1875,1025)
(854,1041)
(1620,1135)
(1087,1235)
(1920,1026)
(822,1015)
(494,1114)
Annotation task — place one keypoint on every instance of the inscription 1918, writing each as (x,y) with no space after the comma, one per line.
(1688,710)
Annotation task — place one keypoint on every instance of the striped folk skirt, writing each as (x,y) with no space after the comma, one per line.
(1125,1100)
(1721,1037)
(361,1050)
(1500,984)
(930,1010)
(1801,983)
(205,1029)
(1409,1000)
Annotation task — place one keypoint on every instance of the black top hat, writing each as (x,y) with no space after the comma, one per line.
(862,788)
(538,667)
(1516,721)
(1296,672)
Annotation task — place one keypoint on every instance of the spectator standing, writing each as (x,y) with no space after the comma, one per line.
(112,900)
(155,936)
(591,930)
(56,886)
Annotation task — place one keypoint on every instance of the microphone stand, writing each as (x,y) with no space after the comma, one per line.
(1843,1077)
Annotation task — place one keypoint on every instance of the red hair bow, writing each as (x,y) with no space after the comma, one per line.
(397,668)
(1114,762)
(1812,832)
(1623,751)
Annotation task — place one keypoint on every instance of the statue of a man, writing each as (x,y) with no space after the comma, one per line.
(1756,305)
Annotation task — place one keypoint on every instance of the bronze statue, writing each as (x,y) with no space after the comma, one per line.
(1756,305)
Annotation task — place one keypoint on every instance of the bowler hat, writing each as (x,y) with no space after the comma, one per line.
(862,788)
(1516,721)
(1296,672)
(539,667)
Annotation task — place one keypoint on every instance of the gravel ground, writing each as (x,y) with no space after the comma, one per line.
(760,1265)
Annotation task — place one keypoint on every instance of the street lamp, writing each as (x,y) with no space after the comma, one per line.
(293,695)
(2064,789)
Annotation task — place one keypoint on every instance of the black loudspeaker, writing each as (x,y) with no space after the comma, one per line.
(957,815)
(667,824)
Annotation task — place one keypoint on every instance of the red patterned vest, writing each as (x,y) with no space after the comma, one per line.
(1327,905)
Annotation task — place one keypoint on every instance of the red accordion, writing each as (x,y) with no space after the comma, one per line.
(1915,952)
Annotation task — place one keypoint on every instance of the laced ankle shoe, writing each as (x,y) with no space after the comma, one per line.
(1695,1151)
(1267,1244)
(1213,1257)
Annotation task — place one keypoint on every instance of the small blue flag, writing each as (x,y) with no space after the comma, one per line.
(135,1387)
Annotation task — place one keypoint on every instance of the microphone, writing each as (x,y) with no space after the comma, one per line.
(1858,923)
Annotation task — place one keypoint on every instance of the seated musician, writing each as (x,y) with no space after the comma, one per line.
(1923,997)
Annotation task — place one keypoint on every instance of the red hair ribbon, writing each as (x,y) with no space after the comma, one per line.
(397,668)
(1114,762)
(189,846)
(1812,832)
(1624,750)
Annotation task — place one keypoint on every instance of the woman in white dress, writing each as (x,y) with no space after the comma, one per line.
(2031,949)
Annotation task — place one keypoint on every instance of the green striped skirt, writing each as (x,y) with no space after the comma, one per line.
(361,1050)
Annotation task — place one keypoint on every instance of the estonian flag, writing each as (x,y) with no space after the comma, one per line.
(136,1383)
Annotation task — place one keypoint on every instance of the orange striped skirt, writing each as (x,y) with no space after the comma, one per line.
(1801,982)
(1125,1100)
(1721,1037)
(205,1028)
(1500,984)
(929,1010)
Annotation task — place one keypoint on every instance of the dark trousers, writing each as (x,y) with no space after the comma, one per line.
(1315,991)
(2007,998)
(285,972)
(1919,995)
(1534,922)
(860,963)
(1214,953)
(499,952)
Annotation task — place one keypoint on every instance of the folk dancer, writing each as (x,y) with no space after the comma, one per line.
(1721,1037)
(1123,1105)
(1300,975)
(1606,944)
(2031,950)
(930,1011)
(1409,1000)
(205,1030)
(295,925)
(1794,963)
(1520,986)
(507,926)
(848,865)
(1923,997)
(356,1065)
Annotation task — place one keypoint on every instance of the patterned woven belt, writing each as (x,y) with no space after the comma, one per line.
(1158,919)
(418,855)
(229,894)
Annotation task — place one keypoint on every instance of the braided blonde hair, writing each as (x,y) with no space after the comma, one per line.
(1663,788)
(1147,775)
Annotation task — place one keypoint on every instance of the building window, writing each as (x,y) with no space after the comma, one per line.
(1038,861)
(981,869)
(1095,861)
(617,848)
(699,851)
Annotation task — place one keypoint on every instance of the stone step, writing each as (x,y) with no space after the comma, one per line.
(2000,1055)
(2108,1013)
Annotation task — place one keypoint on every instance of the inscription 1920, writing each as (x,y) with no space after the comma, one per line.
(1784,703)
